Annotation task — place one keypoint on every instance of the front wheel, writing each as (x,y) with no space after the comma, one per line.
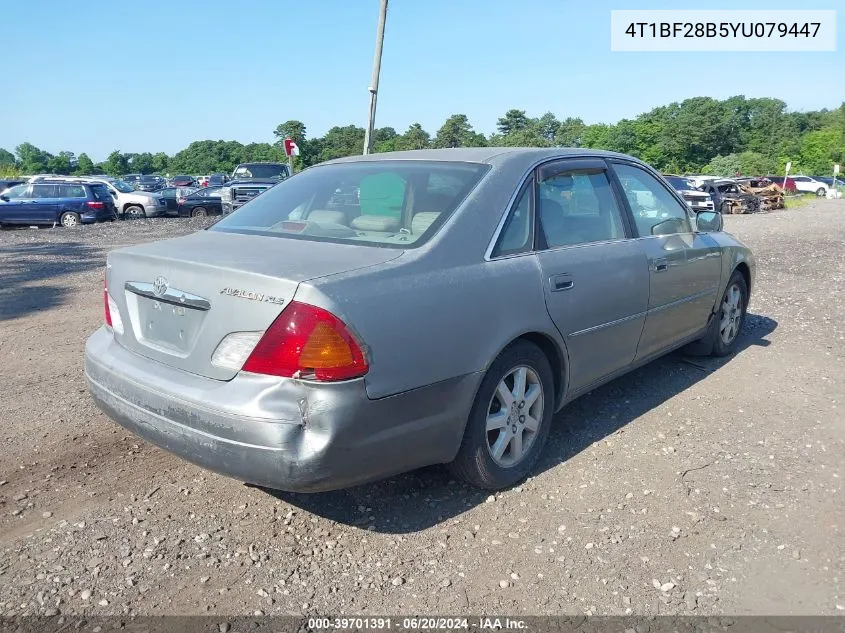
(70,219)
(134,212)
(820,192)
(731,315)
(509,421)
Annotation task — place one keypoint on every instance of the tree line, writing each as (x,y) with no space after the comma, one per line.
(699,135)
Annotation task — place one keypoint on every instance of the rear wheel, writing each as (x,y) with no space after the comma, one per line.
(199,212)
(134,212)
(70,219)
(509,421)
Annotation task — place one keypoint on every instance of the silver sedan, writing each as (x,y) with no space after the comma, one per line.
(376,314)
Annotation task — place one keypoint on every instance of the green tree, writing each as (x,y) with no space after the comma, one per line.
(84,165)
(295,130)
(341,141)
(820,150)
(32,160)
(6,158)
(726,166)
(457,132)
(415,137)
(116,164)
(160,162)
(570,133)
(63,164)
(513,121)
(142,163)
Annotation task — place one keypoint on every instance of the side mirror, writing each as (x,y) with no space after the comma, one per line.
(709,221)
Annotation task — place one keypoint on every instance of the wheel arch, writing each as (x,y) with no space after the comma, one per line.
(743,268)
(556,354)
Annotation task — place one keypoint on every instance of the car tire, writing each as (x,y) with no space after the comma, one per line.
(199,212)
(820,192)
(69,219)
(490,456)
(730,316)
(714,342)
(134,211)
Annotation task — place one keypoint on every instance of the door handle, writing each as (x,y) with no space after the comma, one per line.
(561,282)
(661,264)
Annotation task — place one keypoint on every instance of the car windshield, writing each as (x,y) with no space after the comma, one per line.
(681,184)
(389,203)
(260,171)
(122,187)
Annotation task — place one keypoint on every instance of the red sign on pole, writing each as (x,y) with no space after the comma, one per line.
(291,148)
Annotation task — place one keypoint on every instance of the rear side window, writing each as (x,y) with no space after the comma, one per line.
(517,233)
(43,191)
(101,193)
(391,203)
(72,191)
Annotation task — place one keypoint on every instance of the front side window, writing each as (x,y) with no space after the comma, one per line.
(101,192)
(17,192)
(578,206)
(390,203)
(656,211)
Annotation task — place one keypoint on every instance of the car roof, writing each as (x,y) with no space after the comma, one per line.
(482,154)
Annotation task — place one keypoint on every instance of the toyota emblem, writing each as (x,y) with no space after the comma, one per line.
(160,286)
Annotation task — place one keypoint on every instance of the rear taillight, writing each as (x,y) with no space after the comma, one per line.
(112,314)
(106,304)
(308,342)
(95,204)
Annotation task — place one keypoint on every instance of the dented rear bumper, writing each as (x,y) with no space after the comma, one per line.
(280,433)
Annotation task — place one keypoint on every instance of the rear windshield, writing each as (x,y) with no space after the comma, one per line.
(261,171)
(101,192)
(391,203)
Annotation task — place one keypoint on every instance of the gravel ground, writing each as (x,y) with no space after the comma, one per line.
(689,486)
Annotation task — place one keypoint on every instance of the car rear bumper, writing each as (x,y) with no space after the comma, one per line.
(275,432)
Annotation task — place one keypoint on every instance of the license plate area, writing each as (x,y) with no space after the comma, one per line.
(170,323)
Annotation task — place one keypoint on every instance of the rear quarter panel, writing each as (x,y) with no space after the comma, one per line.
(423,325)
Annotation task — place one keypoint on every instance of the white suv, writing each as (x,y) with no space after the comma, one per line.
(809,185)
(129,203)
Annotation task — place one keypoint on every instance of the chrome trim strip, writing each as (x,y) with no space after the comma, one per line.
(171,295)
(608,324)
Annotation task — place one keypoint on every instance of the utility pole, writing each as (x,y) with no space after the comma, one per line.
(371,121)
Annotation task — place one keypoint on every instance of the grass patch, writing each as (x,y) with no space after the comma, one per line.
(796,202)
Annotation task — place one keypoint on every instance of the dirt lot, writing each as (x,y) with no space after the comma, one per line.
(690,486)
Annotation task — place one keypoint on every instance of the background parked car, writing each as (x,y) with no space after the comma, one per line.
(130,203)
(150,183)
(696,199)
(132,179)
(5,183)
(216,180)
(183,181)
(789,187)
(56,202)
(805,184)
(200,203)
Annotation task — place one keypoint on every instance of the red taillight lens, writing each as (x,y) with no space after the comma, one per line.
(106,303)
(96,205)
(308,342)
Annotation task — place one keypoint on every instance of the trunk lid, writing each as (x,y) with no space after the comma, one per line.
(179,298)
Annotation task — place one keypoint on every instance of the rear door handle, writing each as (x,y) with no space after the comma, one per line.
(561,282)
(661,264)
